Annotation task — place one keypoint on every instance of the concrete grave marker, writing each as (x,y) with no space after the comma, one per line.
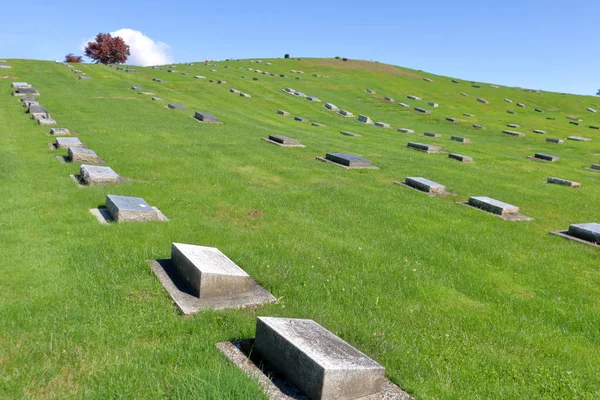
(546,157)
(468,115)
(242,94)
(85,77)
(382,125)
(460,139)
(425,185)
(494,206)
(347,133)
(199,77)
(427,148)
(513,133)
(411,97)
(157,99)
(564,182)
(588,233)
(346,113)
(432,104)
(453,120)
(364,119)
(477,126)
(370,91)
(592,110)
(83,156)
(508,100)
(284,113)
(422,110)
(59,132)
(511,112)
(206,117)
(554,140)
(579,138)
(316,124)
(322,365)
(403,105)
(331,106)
(464,94)
(20,84)
(460,157)
(406,130)
(539,131)
(174,106)
(521,105)
(312,98)
(538,110)
(348,161)
(455,81)
(131,209)
(431,134)
(484,101)
(283,141)
(63,143)
(595,167)
(98,175)
(387,98)
(428,79)
(300,119)
(513,125)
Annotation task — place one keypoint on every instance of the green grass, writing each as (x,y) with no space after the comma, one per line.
(455,303)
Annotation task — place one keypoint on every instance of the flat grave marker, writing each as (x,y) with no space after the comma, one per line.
(460,139)
(432,134)
(127,209)
(283,141)
(587,233)
(59,132)
(83,156)
(347,133)
(406,130)
(503,210)
(579,138)
(426,148)
(199,278)
(98,175)
(348,161)
(513,133)
(555,140)
(64,143)
(424,185)
(460,157)
(382,125)
(174,106)
(205,117)
(422,110)
(563,182)
(364,119)
(282,112)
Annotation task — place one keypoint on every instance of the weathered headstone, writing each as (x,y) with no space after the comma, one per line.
(427,148)
(541,132)
(403,104)
(174,106)
(63,143)
(331,106)
(382,125)
(431,134)
(513,133)
(284,140)
(579,138)
(411,97)
(205,117)
(520,105)
(508,100)
(406,130)
(319,363)
(428,79)
(484,101)
(468,115)
(589,231)
(513,125)
(312,98)
(538,110)
(128,209)
(81,155)
(232,90)
(59,132)
(590,109)
(300,119)
(460,139)
(554,140)
(346,113)
(85,77)
(595,167)
(477,126)
(511,112)
(242,94)
(453,120)
(425,185)
(364,119)
(460,157)
(282,112)
(564,182)
(387,98)
(493,206)
(370,91)
(546,157)
(98,175)
(464,94)
(316,124)
(422,110)
(157,99)
(432,104)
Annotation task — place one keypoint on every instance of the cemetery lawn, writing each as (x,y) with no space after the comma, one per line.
(455,303)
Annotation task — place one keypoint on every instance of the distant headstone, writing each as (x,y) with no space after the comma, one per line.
(348,160)
(300,119)
(199,77)
(232,90)
(316,124)
(346,113)
(468,115)
(520,105)
(98,175)
(157,80)
(129,209)
(284,140)
(63,143)
(425,185)
(405,130)
(331,106)
(594,127)
(460,139)
(20,84)
(370,91)
(484,101)
(453,120)
(83,156)
(460,157)
(455,81)
(428,79)
(493,206)
(513,125)
(431,134)
(546,157)
(508,100)
(511,112)
(157,99)
(541,132)
(319,363)
(432,104)
(242,94)
(136,88)
(564,182)
(476,86)
(422,110)
(554,140)
(403,104)
(590,109)
(364,119)
(579,138)
(221,82)
(60,132)
(513,133)
(206,117)
(347,133)
(595,167)
(477,126)
(427,148)
(387,98)
(85,77)
(411,97)
(312,98)
(174,106)
(382,125)
(574,123)
(538,110)
(464,94)
(284,113)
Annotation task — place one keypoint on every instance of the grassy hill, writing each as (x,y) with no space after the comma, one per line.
(455,303)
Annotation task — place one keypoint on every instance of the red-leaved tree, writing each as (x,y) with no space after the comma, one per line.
(107,49)
(71,58)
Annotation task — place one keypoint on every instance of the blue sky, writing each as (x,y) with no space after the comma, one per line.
(550,45)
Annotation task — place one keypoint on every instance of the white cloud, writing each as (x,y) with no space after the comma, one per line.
(144,51)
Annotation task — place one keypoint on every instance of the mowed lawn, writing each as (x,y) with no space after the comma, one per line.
(453,302)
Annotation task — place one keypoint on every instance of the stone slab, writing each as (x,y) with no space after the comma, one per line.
(476,126)
(284,113)
(390,99)
(411,97)
(511,112)
(364,119)
(59,132)
(331,106)
(513,133)
(313,98)
(427,148)
(174,106)
(85,77)
(539,131)
(348,133)
(45,121)
(460,139)
(205,117)
(588,231)
(484,101)
(554,140)
(346,113)
(130,209)
(432,134)
(564,182)
(546,157)
(432,104)
(300,119)
(404,105)
(321,364)
(453,120)
(595,167)
(460,157)
(406,130)
(382,125)
(64,143)
(425,185)
(493,206)
(81,155)
(579,138)
(348,161)
(283,141)
(99,175)
(422,110)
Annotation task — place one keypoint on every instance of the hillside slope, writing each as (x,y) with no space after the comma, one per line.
(454,302)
